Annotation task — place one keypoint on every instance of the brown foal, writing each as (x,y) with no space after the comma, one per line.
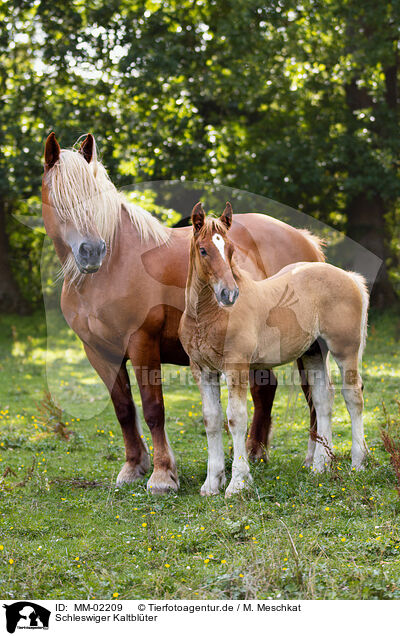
(233,324)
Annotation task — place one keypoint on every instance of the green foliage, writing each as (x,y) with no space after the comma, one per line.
(295,102)
(71,534)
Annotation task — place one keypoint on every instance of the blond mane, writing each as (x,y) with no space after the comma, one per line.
(83,195)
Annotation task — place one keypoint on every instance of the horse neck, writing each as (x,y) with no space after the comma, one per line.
(200,298)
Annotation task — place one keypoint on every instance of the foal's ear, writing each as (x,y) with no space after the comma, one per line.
(198,216)
(226,216)
(87,147)
(51,151)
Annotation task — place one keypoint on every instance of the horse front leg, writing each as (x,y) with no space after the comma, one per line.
(144,353)
(213,418)
(237,422)
(116,379)
(263,394)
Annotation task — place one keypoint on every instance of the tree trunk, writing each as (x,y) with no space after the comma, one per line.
(11,300)
(366,210)
(366,225)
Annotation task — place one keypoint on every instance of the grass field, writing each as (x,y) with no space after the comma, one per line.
(67,532)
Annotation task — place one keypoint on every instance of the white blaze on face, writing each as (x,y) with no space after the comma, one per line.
(219,244)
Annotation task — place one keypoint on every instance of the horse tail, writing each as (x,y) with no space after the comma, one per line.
(362,287)
(317,244)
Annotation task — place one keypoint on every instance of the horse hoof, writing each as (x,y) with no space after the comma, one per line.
(256,452)
(320,466)
(237,486)
(208,491)
(212,487)
(132,472)
(358,465)
(162,482)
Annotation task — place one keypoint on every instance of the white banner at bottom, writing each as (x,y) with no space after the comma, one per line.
(152,617)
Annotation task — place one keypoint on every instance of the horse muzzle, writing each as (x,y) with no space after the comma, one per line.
(90,255)
(226,297)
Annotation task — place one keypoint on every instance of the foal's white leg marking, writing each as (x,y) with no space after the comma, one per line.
(237,422)
(213,421)
(310,452)
(352,393)
(219,244)
(322,393)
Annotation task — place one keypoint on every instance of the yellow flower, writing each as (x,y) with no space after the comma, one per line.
(115,595)
(76,558)
(300,535)
(11,561)
(241,575)
(246,527)
(144,525)
(167,565)
(343,539)
(327,508)
(206,560)
(1,547)
(223,560)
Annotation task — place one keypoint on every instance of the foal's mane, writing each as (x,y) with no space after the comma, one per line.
(84,195)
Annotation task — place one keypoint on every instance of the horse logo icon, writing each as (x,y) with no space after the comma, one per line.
(26,615)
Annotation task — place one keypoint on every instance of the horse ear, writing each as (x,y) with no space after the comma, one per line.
(87,148)
(51,151)
(226,216)
(198,217)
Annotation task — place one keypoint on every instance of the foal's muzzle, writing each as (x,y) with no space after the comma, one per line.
(90,256)
(227,297)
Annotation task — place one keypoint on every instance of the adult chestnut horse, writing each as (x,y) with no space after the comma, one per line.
(123,294)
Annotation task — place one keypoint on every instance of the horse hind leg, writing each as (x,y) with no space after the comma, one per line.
(322,394)
(352,391)
(260,431)
(313,416)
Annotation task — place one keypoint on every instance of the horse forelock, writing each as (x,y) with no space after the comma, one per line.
(84,196)
(211,226)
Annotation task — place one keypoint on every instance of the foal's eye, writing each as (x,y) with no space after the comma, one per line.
(203,251)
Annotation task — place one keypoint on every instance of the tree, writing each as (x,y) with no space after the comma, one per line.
(295,102)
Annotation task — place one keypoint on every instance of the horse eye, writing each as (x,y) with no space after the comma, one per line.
(203,251)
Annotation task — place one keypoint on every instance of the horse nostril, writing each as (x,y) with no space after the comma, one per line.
(85,250)
(225,295)
(228,296)
(103,248)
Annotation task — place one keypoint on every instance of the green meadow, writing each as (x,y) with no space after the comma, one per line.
(67,532)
